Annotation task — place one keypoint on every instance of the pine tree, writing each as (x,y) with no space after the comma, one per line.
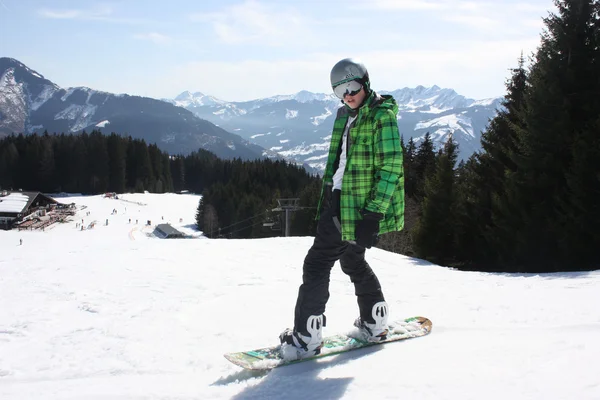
(80,164)
(46,176)
(482,236)
(555,148)
(424,165)
(410,173)
(159,180)
(9,161)
(581,220)
(434,237)
(178,173)
(500,140)
(117,151)
(97,163)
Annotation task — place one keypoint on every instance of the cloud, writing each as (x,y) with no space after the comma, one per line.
(483,16)
(253,22)
(154,37)
(474,68)
(403,5)
(99,13)
(61,14)
(479,22)
(250,79)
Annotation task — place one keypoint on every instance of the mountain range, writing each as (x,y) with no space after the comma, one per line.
(31,103)
(299,126)
(295,127)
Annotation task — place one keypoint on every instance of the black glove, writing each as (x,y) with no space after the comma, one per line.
(367,229)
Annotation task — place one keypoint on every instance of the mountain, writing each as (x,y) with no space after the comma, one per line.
(31,103)
(296,127)
(299,126)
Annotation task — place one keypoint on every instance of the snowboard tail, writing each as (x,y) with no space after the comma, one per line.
(270,357)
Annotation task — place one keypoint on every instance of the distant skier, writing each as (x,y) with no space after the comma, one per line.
(20,242)
(362,196)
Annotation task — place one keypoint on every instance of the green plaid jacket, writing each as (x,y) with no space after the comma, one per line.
(374,175)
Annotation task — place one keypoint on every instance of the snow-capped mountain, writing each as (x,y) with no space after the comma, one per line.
(296,127)
(299,126)
(30,103)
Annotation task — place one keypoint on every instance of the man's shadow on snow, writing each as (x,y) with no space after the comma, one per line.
(298,381)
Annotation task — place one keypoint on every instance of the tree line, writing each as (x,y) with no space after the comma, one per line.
(84,163)
(240,195)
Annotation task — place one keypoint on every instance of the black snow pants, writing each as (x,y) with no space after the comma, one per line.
(327,248)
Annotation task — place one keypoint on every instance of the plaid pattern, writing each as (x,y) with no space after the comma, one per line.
(374,176)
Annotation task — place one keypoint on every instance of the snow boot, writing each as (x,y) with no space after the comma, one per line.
(377,331)
(295,346)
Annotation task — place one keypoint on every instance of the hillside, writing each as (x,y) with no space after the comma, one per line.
(114,312)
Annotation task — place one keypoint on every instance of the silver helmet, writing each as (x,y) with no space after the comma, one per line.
(349,69)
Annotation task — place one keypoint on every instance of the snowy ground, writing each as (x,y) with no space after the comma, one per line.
(114,313)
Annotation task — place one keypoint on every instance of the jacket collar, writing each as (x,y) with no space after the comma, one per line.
(366,105)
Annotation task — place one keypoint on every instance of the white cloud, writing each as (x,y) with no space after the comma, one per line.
(251,79)
(96,13)
(99,13)
(154,37)
(483,16)
(404,5)
(254,22)
(476,69)
(60,14)
(480,22)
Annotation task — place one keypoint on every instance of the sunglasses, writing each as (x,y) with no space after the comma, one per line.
(350,88)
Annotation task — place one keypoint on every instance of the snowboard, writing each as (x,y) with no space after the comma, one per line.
(269,357)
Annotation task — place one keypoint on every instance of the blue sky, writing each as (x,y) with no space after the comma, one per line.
(246,49)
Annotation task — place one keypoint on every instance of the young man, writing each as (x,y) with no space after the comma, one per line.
(362,196)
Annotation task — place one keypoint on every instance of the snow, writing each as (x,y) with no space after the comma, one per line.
(484,102)
(318,120)
(114,312)
(453,122)
(319,157)
(68,93)
(11,93)
(103,124)
(304,149)
(290,114)
(13,203)
(80,115)
(46,94)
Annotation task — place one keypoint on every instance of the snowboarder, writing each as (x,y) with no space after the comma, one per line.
(362,196)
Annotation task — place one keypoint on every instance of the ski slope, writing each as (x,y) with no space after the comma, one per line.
(113,312)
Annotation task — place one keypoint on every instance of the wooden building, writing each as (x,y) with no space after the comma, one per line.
(15,206)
